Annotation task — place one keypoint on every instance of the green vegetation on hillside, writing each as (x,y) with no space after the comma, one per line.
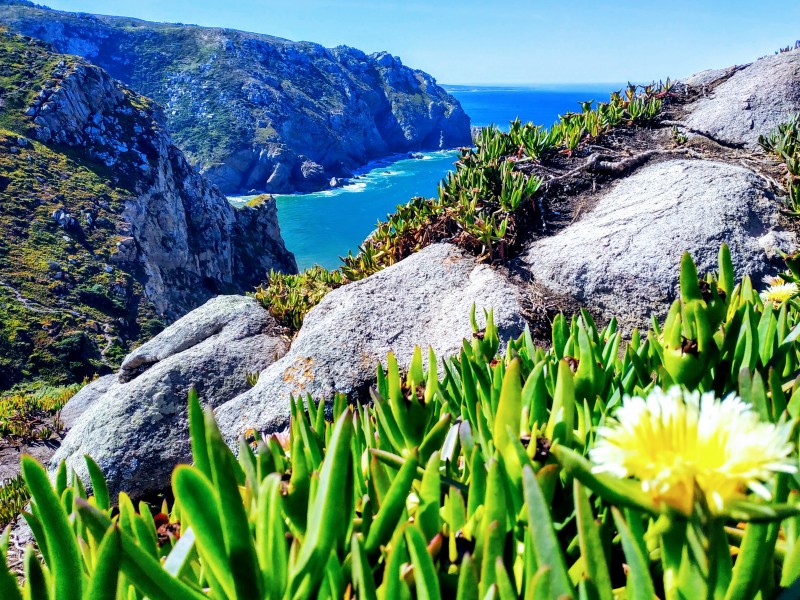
(23,71)
(66,312)
(485,206)
(592,469)
(60,301)
(33,414)
(29,416)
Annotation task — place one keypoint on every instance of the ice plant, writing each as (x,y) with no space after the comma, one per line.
(676,442)
(778,291)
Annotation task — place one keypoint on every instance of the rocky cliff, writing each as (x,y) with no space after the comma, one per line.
(257,112)
(106,231)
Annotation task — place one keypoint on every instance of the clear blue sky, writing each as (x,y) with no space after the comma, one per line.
(484,41)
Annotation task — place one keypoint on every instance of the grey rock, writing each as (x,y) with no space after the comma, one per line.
(85,398)
(64,219)
(622,258)
(752,102)
(423,300)
(708,77)
(137,430)
(236,315)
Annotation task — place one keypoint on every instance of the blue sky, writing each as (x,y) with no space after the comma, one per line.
(483,41)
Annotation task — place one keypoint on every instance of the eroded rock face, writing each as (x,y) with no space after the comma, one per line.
(424,300)
(258,112)
(135,425)
(623,257)
(751,102)
(179,232)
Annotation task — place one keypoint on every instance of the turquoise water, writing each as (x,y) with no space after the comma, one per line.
(321,227)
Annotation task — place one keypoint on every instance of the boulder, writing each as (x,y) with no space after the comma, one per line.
(84,399)
(751,102)
(423,300)
(137,430)
(622,258)
(704,79)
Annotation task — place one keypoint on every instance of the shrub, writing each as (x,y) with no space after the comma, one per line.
(488,475)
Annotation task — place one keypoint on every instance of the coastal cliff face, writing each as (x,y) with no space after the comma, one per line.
(107,231)
(257,112)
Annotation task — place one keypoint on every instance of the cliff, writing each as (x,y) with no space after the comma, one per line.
(258,112)
(106,231)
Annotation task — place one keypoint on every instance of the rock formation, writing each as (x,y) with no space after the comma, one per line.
(114,228)
(623,257)
(749,101)
(135,425)
(253,111)
(423,301)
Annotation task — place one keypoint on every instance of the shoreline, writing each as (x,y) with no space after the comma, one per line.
(242,198)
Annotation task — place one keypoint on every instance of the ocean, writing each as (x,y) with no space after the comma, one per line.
(321,227)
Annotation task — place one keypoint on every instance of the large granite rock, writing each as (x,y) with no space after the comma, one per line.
(137,430)
(258,112)
(623,257)
(84,399)
(424,300)
(751,102)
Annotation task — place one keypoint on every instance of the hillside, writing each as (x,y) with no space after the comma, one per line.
(258,112)
(106,232)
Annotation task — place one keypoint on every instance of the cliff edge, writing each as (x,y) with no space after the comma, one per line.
(253,111)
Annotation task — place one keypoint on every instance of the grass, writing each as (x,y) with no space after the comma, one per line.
(485,206)
(33,414)
(29,415)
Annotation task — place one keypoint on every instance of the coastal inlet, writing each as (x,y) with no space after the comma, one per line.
(322,226)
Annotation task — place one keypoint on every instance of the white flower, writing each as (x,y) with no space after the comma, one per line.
(674,442)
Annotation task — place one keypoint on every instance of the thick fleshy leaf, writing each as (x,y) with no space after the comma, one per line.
(392,506)
(425,578)
(545,542)
(103,582)
(200,508)
(65,564)
(8,582)
(640,584)
(99,486)
(325,523)
(593,555)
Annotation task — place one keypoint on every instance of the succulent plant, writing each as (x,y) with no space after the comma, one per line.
(516,474)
